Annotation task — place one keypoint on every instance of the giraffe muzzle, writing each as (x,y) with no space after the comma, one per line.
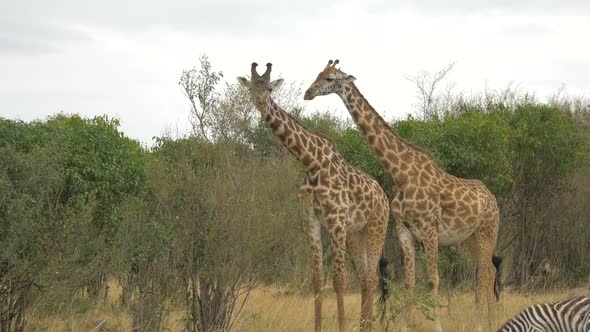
(308,95)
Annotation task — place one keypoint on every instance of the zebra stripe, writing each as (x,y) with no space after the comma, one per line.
(571,315)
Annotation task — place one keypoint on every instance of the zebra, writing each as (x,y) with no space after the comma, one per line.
(571,315)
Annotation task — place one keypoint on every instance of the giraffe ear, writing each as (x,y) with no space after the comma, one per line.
(276,84)
(243,82)
(350,78)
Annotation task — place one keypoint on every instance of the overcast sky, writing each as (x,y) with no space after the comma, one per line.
(124,58)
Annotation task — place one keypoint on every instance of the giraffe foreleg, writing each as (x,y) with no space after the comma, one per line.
(314,235)
(430,242)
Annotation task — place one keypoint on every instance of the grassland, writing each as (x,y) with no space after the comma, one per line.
(274,309)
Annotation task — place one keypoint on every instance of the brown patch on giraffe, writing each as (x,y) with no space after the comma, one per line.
(421,159)
(421,205)
(403,166)
(306,161)
(401,180)
(362,129)
(275,125)
(379,153)
(392,158)
(286,131)
(412,174)
(420,194)
(303,140)
(335,196)
(297,140)
(410,191)
(406,156)
(377,126)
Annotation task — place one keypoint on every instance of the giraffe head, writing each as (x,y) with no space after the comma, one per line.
(259,86)
(330,80)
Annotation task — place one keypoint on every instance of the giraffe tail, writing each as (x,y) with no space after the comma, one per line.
(497,260)
(384,278)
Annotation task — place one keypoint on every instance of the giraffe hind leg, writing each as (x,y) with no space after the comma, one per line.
(406,240)
(486,239)
(357,244)
(473,247)
(375,238)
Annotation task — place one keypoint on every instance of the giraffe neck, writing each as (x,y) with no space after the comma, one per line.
(395,154)
(310,148)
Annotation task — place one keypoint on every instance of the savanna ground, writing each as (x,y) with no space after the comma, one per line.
(276,309)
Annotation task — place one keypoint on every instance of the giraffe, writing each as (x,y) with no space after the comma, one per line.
(348,203)
(430,205)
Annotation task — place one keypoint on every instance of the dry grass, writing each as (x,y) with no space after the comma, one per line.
(116,318)
(274,309)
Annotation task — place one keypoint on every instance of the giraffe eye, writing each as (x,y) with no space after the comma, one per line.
(329,79)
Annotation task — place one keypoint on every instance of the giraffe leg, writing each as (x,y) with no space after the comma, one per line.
(486,238)
(338,239)
(314,235)
(357,244)
(375,239)
(431,248)
(473,247)
(406,240)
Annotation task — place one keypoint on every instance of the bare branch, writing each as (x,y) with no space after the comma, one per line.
(199,87)
(427,84)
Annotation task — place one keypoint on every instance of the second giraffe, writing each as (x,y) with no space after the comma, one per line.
(431,205)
